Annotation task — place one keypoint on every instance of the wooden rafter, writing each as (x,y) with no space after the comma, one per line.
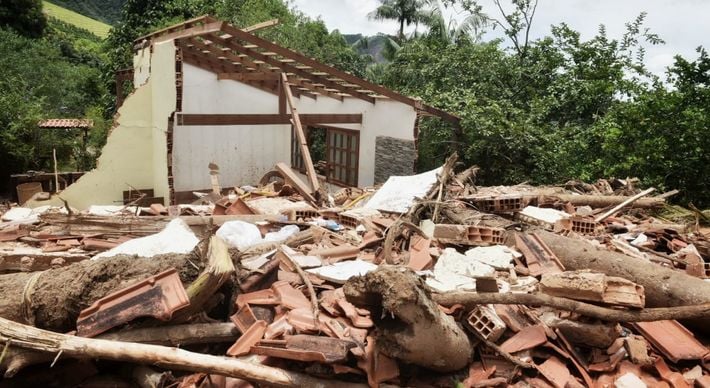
(262,25)
(221,55)
(287,68)
(197,58)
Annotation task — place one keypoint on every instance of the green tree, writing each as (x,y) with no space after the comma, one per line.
(405,12)
(23,16)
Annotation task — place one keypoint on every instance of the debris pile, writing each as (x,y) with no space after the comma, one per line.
(427,280)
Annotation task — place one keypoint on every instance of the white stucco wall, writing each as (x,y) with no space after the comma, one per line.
(257,148)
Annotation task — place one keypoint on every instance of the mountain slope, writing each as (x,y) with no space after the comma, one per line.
(68,16)
(107,11)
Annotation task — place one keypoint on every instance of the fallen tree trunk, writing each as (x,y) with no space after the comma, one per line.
(178,335)
(412,328)
(52,299)
(472,299)
(663,287)
(171,358)
(600,201)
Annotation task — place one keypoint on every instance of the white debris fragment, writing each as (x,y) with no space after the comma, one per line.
(629,380)
(342,271)
(17,213)
(497,256)
(398,193)
(546,215)
(239,234)
(283,233)
(454,271)
(176,237)
(254,263)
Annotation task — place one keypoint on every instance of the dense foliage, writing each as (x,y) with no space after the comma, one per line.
(561,108)
(55,76)
(23,16)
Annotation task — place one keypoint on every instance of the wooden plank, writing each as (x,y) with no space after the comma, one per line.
(261,25)
(183,25)
(191,32)
(305,152)
(186,119)
(252,76)
(294,180)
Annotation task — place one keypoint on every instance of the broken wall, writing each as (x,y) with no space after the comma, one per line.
(135,150)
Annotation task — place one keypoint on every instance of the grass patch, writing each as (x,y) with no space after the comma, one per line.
(94,26)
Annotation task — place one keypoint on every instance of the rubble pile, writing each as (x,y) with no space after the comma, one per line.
(427,280)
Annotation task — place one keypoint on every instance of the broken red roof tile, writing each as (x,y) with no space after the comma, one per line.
(358,320)
(248,339)
(243,318)
(158,296)
(555,371)
(419,257)
(261,297)
(527,338)
(306,348)
(672,339)
(290,297)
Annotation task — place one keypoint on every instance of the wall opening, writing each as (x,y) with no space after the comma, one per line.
(335,153)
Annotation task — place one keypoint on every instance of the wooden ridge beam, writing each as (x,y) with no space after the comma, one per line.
(198,30)
(204,19)
(191,119)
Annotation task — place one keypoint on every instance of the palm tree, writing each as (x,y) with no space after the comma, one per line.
(451,31)
(405,12)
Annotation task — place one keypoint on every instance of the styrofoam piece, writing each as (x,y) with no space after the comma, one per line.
(341,271)
(176,237)
(239,234)
(546,215)
(497,256)
(398,193)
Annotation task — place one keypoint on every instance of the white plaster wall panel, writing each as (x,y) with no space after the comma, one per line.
(141,67)
(163,83)
(243,153)
(204,93)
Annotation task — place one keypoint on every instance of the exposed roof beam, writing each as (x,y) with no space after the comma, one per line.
(229,56)
(261,25)
(287,67)
(187,119)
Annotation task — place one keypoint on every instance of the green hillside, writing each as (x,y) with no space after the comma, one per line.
(94,26)
(107,11)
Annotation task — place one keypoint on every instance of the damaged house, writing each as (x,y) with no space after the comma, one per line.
(208,92)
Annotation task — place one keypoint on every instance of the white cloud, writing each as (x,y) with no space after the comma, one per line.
(681,23)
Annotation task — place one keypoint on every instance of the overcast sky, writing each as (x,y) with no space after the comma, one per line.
(683,24)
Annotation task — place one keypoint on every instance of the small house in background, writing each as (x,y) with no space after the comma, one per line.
(208,92)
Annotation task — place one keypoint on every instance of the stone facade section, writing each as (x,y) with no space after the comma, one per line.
(393,157)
